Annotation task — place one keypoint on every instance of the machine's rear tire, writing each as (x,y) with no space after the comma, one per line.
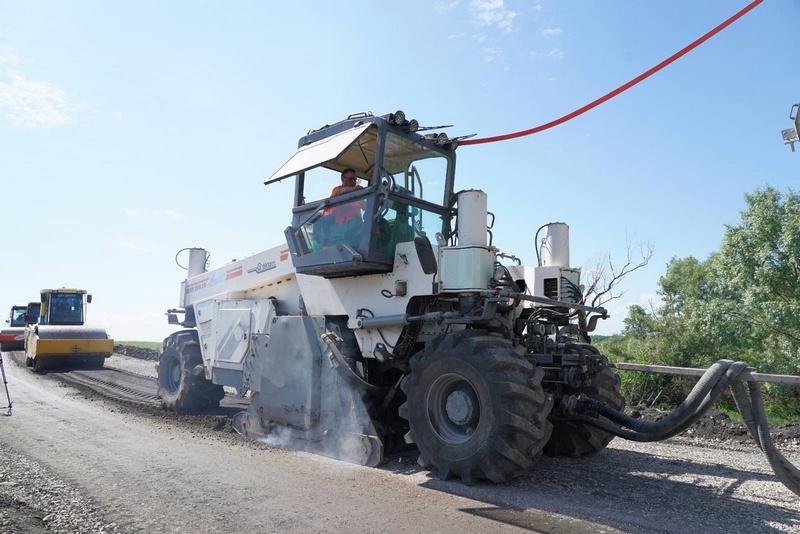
(178,388)
(475,407)
(579,439)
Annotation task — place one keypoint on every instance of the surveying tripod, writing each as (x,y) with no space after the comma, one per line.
(5,384)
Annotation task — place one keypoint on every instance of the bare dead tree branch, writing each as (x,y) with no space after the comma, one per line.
(605,277)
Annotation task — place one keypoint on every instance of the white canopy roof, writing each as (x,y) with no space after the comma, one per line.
(318,153)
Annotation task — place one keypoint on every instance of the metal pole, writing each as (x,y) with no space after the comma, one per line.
(747,376)
(5,384)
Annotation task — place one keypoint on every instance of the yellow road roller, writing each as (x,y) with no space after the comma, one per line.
(59,338)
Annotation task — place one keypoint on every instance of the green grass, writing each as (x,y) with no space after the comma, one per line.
(155,345)
(776,414)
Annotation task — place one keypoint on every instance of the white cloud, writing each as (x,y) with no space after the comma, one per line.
(479,38)
(551,32)
(445,6)
(492,54)
(144,212)
(555,53)
(116,115)
(492,13)
(31,104)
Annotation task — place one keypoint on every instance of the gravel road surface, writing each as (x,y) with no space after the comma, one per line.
(76,462)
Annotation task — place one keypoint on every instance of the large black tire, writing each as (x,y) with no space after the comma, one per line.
(178,387)
(579,439)
(475,407)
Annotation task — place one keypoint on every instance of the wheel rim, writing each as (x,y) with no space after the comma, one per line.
(172,375)
(453,409)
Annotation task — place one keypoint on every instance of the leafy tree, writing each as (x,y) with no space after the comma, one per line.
(759,269)
(640,323)
(742,303)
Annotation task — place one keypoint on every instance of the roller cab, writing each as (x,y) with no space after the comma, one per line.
(59,338)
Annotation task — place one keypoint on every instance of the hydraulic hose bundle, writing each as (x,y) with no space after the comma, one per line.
(721,375)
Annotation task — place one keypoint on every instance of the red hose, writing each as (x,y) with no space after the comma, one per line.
(620,89)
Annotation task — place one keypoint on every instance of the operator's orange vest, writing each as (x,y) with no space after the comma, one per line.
(345,212)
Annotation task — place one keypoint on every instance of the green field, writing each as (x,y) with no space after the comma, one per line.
(155,345)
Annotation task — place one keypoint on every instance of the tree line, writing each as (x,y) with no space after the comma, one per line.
(741,303)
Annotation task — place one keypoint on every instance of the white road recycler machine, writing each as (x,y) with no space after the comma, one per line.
(403,328)
(389,320)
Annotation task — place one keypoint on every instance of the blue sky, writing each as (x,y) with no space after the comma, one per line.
(129,131)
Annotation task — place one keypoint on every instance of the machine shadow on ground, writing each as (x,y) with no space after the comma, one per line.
(628,481)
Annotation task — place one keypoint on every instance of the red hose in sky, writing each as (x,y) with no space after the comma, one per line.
(622,88)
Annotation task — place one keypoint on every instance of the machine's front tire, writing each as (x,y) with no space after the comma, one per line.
(579,439)
(178,388)
(475,407)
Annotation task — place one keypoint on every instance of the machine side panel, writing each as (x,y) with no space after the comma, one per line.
(345,296)
(270,266)
(291,371)
(466,268)
(227,328)
(232,332)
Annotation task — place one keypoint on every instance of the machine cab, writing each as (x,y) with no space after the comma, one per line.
(32,313)
(407,193)
(17,316)
(62,307)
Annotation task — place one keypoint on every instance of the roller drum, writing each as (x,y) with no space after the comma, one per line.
(51,346)
(70,332)
(12,339)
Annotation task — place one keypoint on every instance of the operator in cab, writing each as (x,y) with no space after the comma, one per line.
(345,219)
(347,212)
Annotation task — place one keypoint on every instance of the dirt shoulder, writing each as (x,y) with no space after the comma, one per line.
(716,427)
